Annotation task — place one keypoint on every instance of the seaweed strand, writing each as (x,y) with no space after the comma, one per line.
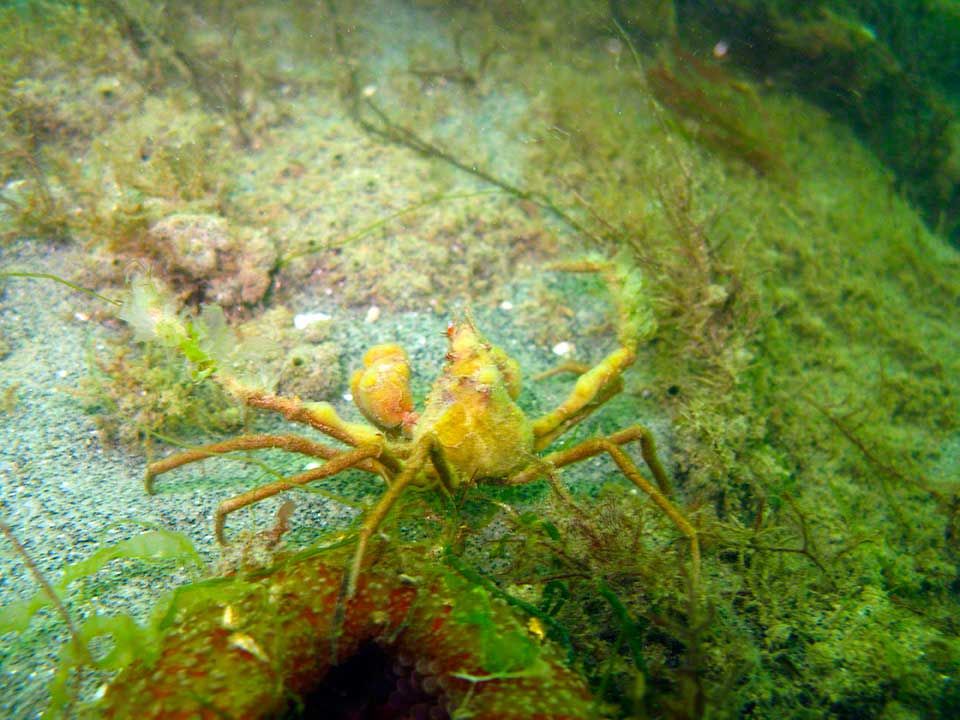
(47,589)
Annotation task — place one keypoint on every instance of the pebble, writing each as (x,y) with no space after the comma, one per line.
(305,320)
(563,348)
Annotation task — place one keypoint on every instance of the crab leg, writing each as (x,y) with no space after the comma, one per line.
(604,393)
(318,415)
(596,384)
(427,450)
(344,460)
(415,463)
(290,443)
(635,321)
(611,445)
(648,449)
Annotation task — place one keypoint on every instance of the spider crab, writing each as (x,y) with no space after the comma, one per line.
(471,429)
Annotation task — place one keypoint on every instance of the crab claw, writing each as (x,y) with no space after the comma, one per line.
(381,390)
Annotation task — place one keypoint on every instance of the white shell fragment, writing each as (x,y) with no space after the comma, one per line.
(305,320)
(564,348)
(229,620)
(242,641)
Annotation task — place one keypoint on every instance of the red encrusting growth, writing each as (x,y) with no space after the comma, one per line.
(267,640)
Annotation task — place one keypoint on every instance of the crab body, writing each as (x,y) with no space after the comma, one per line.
(471,410)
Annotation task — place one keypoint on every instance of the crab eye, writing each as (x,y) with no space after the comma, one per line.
(451,329)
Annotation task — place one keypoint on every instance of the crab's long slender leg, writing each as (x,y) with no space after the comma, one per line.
(576,416)
(595,385)
(344,460)
(635,322)
(648,449)
(290,443)
(611,446)
(420,456)
(318,415)
(425,451)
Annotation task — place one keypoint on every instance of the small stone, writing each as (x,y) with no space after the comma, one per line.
(305,320)
(564,348)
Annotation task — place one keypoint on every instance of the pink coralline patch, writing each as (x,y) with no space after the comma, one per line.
(267,642)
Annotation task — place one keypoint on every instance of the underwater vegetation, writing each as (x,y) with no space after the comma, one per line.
(888,69)
(395,159)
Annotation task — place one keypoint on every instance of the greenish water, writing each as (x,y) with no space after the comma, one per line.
(784,178)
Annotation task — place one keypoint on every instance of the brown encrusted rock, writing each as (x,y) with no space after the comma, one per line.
(211,261)
(312,371)
(261,643)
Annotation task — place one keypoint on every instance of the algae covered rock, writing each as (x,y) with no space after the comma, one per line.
(312,371)
(212,261)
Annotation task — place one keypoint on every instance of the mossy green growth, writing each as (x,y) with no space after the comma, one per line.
(129,640)
(504,652)
(152,314)
(64,77)
(142,389)
(138,392)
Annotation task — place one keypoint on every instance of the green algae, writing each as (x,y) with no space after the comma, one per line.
(738,375)
(129,641)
